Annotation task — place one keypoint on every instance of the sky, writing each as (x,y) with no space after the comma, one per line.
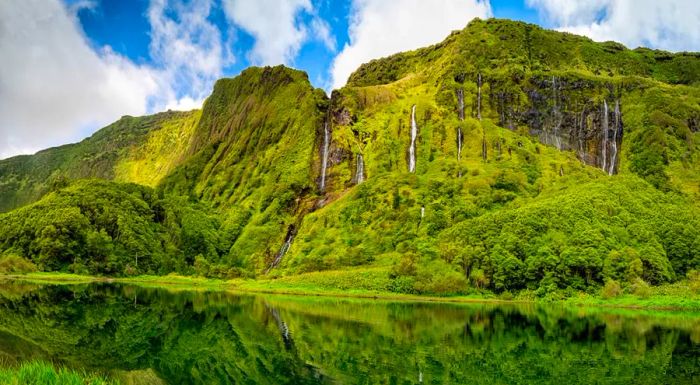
(70,67)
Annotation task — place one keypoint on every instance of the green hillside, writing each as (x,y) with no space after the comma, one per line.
(140,150)
(507,157)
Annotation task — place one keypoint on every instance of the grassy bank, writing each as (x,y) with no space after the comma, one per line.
(373,283)
(40,373)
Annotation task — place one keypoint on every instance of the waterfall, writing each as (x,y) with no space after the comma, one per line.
(557,116)
(324,156)
(605,134)
(422,212)
(460,99)
(412,149)
(360,173)
(285,247)
(459,143)
(478,98)
(613,157)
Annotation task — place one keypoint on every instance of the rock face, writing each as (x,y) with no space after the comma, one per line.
(566,113)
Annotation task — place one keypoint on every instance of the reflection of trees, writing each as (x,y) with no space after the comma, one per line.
(216,338)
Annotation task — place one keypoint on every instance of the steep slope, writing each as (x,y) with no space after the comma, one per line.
(507,157)
(498,119)
(253,158)
(248,155)
(140,150)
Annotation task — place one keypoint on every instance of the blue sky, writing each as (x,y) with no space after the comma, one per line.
(73,66)
(124,26)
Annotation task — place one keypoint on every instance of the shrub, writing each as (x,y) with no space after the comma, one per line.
(694,281)
(437,277)
(611,289)
(14,264)
(640,288)
(130,271)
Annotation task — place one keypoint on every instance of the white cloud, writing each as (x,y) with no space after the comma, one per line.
(55,88)
(52,84)
(187,48)
(277,27)
(672,25)
(379,28)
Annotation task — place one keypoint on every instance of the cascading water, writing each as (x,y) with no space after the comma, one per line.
(412,149)
(478,97)
(285,247)
(324,154)
(605,134)
(460,99)
(613,157)
(360,173)
(459,143)
(557,116)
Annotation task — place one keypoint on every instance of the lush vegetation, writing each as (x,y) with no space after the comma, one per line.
(42,373)
(100,227)
(141,150)
(522,206)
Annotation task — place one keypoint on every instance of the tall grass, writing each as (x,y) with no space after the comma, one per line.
(42,373)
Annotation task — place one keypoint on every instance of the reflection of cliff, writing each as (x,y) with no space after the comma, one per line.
(216,338)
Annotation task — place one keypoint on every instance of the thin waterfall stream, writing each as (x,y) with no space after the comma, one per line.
(605,134)
(613,157)
(478,97)
(360,173)
(412,149)
(324,154)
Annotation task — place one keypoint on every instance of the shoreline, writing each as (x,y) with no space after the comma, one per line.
(186,283)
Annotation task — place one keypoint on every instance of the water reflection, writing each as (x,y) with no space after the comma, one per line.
(150,335)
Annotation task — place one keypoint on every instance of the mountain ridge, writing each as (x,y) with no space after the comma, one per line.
(496,118)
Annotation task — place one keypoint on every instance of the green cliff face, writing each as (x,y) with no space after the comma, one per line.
(253,159)
(506,157)
(140,150)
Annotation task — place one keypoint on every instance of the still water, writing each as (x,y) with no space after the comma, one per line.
(156,336)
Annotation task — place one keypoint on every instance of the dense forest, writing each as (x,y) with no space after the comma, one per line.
(505,158)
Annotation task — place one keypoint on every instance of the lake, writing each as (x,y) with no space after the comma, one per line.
(157,336)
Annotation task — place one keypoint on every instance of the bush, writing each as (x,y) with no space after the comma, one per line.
(437,277)
(611,289)
(14,264)
(640,288)
(694,281)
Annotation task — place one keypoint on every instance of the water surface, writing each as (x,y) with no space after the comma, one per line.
(156,336)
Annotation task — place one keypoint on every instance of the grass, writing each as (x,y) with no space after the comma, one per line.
(372,283)
(42,373)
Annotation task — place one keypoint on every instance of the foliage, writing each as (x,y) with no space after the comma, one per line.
(640,288)
(133,149)
(38,372)
(520,205)
(694,281)
(14,264)
(99,227)
(611,289)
